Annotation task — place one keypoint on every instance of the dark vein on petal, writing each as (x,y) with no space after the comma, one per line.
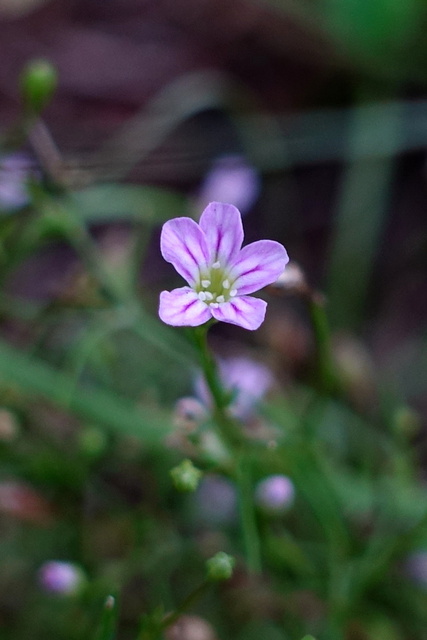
(219,240)
(245,273)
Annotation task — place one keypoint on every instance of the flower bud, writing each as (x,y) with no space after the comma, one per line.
(189,413)
(190,628)
(186,476)
(230,179)
(291,280)
(62,578)
(38,83)
(15,171)
(415,567)
(220,566)
(275,494)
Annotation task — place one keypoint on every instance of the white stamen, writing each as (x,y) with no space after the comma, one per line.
(233,292)
(202,296)
(209,295)
(220,299)
(226,284)
(216,265)
(206,283)
(215,305)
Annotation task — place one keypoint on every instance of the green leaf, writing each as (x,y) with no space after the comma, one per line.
(108,623)
(94,404)
(107,202)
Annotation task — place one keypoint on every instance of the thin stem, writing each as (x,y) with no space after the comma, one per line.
(155,627)
(185,605)
(325,373)
(234,437)
(247,511)
(227,427)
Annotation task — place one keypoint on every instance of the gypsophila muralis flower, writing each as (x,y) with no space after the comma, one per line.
(220,273)
(230,179)
(275,493)
(245,379)
(62,578)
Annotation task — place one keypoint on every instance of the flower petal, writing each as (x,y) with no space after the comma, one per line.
(182,308)
(245,311)
(257,265)
(222,225)
(183,244)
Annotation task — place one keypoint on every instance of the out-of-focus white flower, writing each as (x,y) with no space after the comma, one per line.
(245,379)
(275,494)
(62,578)
(230,179)
(14,172)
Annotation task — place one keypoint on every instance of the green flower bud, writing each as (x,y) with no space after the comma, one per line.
(220,566)
(186,476)
(38,83)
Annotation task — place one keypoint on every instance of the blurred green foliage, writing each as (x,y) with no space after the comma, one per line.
(89,378)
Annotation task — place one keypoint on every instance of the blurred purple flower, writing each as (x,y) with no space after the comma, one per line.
(62,578)
(231,179)
(275,494)
(14,172)
(246,380)
(415,567)
(220,274)
(215,500)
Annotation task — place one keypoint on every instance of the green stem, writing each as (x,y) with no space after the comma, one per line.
(229,431)
(185,605)
(234,437)
(247,511)
(326,379)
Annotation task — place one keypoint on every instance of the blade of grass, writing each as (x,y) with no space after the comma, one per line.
(108,622)
(35,377)
(362,206)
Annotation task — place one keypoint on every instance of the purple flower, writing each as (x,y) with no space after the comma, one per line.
(62,578)
(231,179)
(247,380)
(220,274)
(415,567)
(275,493)
(14,173)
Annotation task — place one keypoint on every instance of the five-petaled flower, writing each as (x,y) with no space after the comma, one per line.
(220,273)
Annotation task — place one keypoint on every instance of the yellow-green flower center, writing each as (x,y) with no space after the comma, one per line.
(215,286)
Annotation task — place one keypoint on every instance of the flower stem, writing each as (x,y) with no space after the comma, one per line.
(325,375)
(235,439)
(247,511)
(229,431)
(192,597)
